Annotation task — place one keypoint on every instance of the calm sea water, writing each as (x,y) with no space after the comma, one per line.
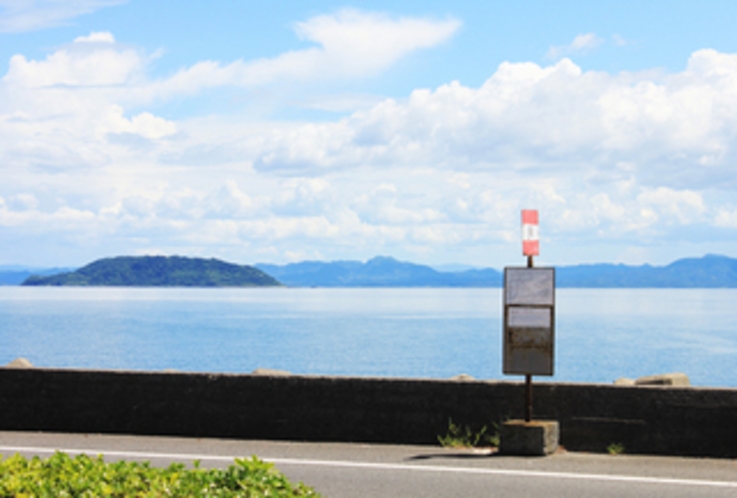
(601,334)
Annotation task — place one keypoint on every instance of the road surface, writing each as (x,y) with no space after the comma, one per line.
(341,470)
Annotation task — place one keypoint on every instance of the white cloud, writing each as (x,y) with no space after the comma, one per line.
(350,44)
(620,41)
(62,219)
(527,117)
(78,65)
(364,43)
(96,37)
(230,202)
(384,206)
(28,15)
(581,44)
(726,218)
(647,214)
(585,42)
(145,124)
(683,206)
(22,202)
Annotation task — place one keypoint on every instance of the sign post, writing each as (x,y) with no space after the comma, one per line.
(530,248)
(529,336)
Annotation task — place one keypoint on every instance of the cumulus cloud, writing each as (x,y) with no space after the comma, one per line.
(88,62)
(614,155)
(144,124)
(441,173)
(64,111)
(677,131)
(386,205)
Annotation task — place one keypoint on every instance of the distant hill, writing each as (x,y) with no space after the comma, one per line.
(159,271)
(377,272)
(709,271)
(15,275)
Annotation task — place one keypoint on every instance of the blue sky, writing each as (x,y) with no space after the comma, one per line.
(285,131)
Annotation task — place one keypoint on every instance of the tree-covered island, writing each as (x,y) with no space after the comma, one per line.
(159,271)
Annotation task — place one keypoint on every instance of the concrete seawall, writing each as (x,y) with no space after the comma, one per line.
(653,420)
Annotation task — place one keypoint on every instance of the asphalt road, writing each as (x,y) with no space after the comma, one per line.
(356,470)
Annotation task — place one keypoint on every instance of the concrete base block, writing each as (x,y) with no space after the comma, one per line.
(535,438)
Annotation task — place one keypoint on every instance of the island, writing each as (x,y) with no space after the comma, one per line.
(159,271)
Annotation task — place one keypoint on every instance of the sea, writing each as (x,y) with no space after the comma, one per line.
(438,333)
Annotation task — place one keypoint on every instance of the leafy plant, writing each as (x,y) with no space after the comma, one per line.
(464,437)
(84,476)
(615,449)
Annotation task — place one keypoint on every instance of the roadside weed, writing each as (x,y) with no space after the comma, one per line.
(464,437)
(615,449)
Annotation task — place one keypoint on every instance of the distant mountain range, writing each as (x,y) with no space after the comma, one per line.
(159,271)
(707,272)
(15,275)
(377,272)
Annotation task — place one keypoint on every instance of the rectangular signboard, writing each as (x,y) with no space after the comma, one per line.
(529,286)
(529,321)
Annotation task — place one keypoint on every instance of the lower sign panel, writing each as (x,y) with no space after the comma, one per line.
(528,341)
(531,338)
(528,361)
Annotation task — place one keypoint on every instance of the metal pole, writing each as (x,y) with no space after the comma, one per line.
(528,377)
(528,407)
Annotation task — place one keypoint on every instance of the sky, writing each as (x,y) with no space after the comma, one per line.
(285,131)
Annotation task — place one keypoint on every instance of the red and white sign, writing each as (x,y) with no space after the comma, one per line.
(530,233)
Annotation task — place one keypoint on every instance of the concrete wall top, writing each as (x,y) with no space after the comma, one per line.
(652,419)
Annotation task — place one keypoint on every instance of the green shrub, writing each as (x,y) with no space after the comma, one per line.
(84,476)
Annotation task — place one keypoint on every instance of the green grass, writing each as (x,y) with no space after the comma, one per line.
(84,476)
(464,437)
(615,449)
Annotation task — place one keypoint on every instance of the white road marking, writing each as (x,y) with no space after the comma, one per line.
(4,450)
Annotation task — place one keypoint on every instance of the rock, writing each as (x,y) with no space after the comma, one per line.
(268,372)
(624,381)
(462,377)
(19,363)
(676,379)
